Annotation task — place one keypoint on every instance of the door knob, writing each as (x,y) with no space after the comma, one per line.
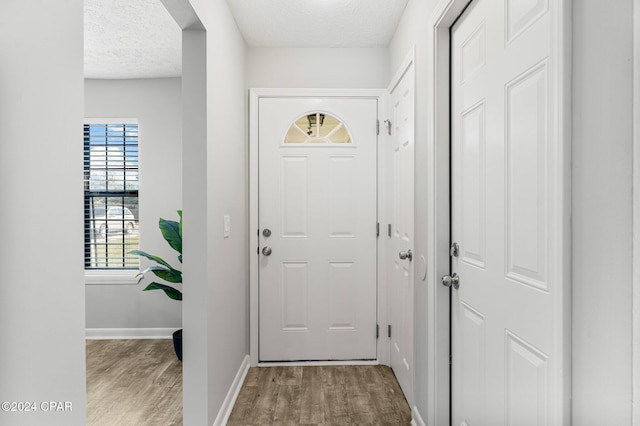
(406,255)
(266,232)
(266,251)
(451,281)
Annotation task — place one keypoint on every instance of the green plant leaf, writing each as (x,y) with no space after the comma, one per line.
(171,232)
(156,259)
(169,291)
(180,232)
(168,274)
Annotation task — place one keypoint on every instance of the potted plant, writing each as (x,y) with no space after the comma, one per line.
(172,233)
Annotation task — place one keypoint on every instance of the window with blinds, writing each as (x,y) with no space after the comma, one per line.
(110,196)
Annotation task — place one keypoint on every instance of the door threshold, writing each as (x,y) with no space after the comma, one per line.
(316,363)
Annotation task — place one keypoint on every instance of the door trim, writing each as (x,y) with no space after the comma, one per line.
(635,415)
(254,98)
(438,219)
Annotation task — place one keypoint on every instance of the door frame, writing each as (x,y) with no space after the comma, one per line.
(382,349)
(635,414)
(438,214)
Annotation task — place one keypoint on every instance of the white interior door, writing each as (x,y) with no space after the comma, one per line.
(503,321)
(400,282)
(317,219)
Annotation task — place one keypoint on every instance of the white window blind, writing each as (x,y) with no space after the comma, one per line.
(110,196)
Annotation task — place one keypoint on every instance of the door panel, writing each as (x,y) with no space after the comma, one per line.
(400,288)
(502,313)
(526,105)
(473,364)
(317,196)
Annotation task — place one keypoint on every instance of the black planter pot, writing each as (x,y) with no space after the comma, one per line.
(177,343)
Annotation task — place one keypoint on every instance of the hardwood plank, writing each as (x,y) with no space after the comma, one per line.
(252,376)
(395,394)
(331,375)
(336,406)
(361,407)
(244,404)
(289,376)
(262,412)
(266,375)
(312,404)
(287,410)
(381,401)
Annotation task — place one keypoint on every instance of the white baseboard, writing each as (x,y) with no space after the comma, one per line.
(129,333)
(416,418)
(232,395)
(314,363)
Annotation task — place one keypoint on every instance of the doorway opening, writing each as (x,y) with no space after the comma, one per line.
(181,98)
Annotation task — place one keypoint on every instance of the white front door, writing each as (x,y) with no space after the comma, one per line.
(317,220)
(400,289)
(504,325)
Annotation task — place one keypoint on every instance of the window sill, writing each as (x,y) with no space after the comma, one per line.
(127,277)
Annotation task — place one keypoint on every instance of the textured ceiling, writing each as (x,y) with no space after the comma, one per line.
(317,23)
(139,39)
(130,39)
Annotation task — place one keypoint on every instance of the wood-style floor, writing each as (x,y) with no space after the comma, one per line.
(336,395)
(133,382)
(139,382)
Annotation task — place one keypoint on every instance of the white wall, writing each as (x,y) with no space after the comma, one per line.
(156,103)
(215,307)
(602,208)
(317,68)
(42,286)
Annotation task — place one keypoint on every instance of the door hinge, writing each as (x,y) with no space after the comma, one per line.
(389,331)
(389,230)
(377,331)
(378,229)
(377,127)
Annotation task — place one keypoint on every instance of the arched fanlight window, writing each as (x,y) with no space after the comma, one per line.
(318,128)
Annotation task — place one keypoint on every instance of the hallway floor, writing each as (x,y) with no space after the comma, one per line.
(336,395)
(133,382)
(139,382)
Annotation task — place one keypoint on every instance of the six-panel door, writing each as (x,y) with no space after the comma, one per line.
(502,314)
(317,197)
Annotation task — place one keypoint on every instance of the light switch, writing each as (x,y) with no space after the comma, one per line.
(227,226)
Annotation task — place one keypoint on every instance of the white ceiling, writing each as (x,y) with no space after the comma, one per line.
(139,39)
(130,39)
(317,23)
